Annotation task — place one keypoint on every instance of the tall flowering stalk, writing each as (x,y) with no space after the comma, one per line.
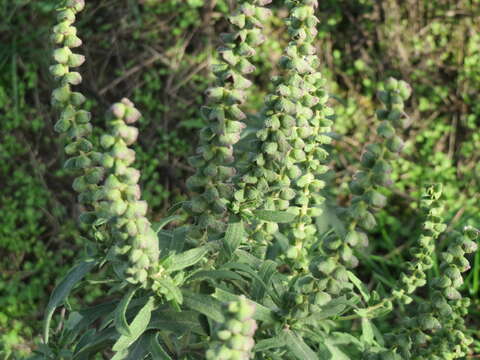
(284,171)
(330,267)
(74,121)
(212,182)
(436,329)
(376,169)
(106,182)
(119,201)
(415,275)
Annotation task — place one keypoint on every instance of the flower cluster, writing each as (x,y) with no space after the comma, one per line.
(74,122)
(107,184)
(119,201)
(437,329)
(233,339)
(376,169)
(285,168)
(212,182)
(415,275)
(330,267)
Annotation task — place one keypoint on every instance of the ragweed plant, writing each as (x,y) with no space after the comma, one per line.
(252,275)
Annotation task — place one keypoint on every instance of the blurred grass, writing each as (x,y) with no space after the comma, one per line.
(157,52)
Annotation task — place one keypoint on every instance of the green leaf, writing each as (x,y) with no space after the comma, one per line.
(204,304)
(233,237)
(332,309)
(262,313)
(173,209)
(159,225)
(170,290)
(63,289)
(272,343)
(215,275)
(133,308)
(328,220)
(137,327)
(120,321)
(121,355)
(359,285)
(279,217)
(267,270)
(165,238)
(176,322)
(247,258)
(157,351)
(93,342)
(138,351)
(367,331)
(298,347)
(244,268)
(187,258)
(378,335)
(178,239)
(336,353)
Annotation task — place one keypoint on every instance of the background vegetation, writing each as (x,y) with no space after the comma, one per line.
(157,52)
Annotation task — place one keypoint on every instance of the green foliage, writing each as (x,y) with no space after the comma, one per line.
(160,61)
(254,274)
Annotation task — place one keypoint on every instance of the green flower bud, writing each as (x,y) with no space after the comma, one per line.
(452,294)
(57,38)
(72,41)
(305,180)
(428,322)
(62,125)
(58,70)
(453,272)
(292,252)
(73,78)
(132,176)
(95,175)
(375,199)
(249,327)
(140,276)
(77,99)
(107,141)
(323,266)
(367,221)
(215,94)
(395,144)
(391,84)
(79,131)
(62,28)
(118,110)
(82,117)
(76,5)
(471,233)
(75,60)
(79,184)
(88,218)
(238,20)
(62,55)
(235,326)
(132,115)
(386,130)
(352,238)
(404,89)
(61,94)
(83,162)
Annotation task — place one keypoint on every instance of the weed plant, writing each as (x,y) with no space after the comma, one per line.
(254,252)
